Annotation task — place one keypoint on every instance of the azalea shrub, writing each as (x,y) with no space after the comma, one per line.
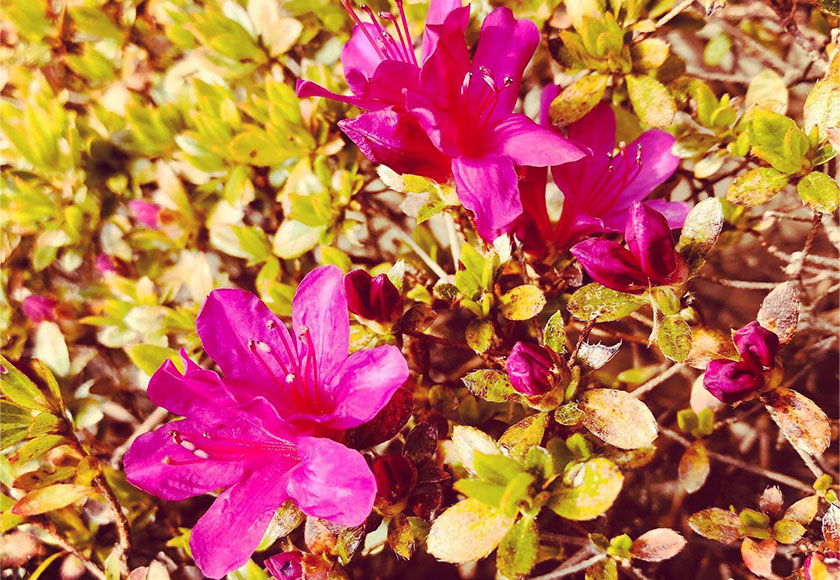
(327,290)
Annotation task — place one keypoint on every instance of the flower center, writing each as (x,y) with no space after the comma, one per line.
(384,43)
(478,103)
(298,366)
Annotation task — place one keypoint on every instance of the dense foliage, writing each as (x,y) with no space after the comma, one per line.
(561,282)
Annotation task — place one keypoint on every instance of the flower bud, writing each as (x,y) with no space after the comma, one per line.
(145,212)
(649,239)
(395,478)
(529,368)
(733,381)
(39,308)
(758,341)
(611,265)
(286,566)
(371,298)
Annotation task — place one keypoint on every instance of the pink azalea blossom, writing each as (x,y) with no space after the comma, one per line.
(650,258)
(461,106)
(735,381)
(146,212)
(270,427)
(105,263)
(39,308)
(599,189)
(529,368)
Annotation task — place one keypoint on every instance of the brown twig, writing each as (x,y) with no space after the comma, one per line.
(49,529)
(657,380)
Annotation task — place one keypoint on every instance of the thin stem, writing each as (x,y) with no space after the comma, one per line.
(454,242)
(156,418)
(745,284)
(566,570)
(434,266)
(778,477)
(59,541)
(657,380)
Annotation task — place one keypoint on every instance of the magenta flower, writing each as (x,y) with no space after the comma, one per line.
(146,212)
(39,308)
(599,189)
(372,298)
(105,263)
(464,108)
(734,381)
(650,258)
(286,566)
(529,368)
(270,427)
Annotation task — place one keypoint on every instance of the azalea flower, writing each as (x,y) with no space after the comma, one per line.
(464,108)
(529,368)
(270,427)
(734,381)
(39,308)
(145,212)
(599,189)
(650,258)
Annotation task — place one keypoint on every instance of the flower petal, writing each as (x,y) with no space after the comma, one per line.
(529,144)
(332,482)
(180,393)
(398,141)
(226,536)
(596,130)
(228,323)
(731,382)
(610,264)
(487,186)
(757,340)
(365,383)
(158,465)
(320,308)
(505,46)
(359,57)
(674,211)
(652,152)
(649,239)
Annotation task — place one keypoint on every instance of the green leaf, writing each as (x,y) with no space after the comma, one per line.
(594,301)
(649,54)
(554,333)
(819,191)
(652,102)
(495,467)
(701,229)
(602,570)
(694,467)
(777,140)
(468,441)
(674,338)
(51,498)
(822,107)
(800,419)
(51,348)
(717,48)
(522,303)
(36,448)
(578,99)
(469,530)
(587,490)
(517,552)
(618,418)
(756,186)
(490,385)
(767,89)
(518,439)
(19,389)
(479,335)
(293,239)
(788,531)
(716,524)
(149,357)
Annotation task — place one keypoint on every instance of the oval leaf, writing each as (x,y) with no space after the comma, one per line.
(802,422)
(618,418)
(594,301)
(694,467)
(587,489)
(522,303)
(467,531)
(49,498)
(657,545)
